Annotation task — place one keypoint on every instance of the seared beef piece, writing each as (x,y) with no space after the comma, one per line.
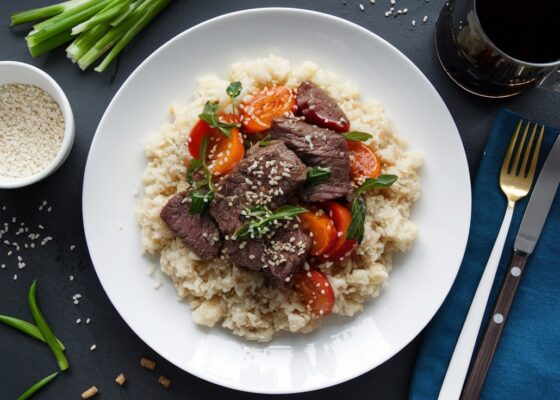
(197,231)
(317,147)
(319,109)
(279,255)
(267,176)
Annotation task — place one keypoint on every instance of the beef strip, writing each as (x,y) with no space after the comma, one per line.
(319,109)
(268,176)
(197,231)
(279,255)
(317,147)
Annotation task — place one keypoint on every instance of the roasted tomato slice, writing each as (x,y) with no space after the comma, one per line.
(341,218)
(363,161)
(264,106)
(194,141)
(315,291)
(225,153)
(322,230)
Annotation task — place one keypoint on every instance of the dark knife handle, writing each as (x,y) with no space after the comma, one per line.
(491,338)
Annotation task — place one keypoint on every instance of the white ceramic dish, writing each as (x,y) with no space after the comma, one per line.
(344,347)
(17,72)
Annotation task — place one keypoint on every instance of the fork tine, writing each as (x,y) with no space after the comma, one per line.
(535,157)
(523,170)
(509,151)
(519,149)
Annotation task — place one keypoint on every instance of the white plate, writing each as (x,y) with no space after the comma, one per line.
(345,347)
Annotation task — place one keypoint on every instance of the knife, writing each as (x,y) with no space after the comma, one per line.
(525,241)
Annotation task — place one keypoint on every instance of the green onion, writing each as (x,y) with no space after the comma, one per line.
(49,30)
(23,17)
(131,33)
(98,26)
(27,328)
(45,329)
(49,44)
(29,392)
(80,46)
(105,15)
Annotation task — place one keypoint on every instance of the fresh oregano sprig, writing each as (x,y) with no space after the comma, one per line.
(355,230)
(210,116)
(260,220)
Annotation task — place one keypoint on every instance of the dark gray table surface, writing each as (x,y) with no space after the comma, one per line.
(24,361)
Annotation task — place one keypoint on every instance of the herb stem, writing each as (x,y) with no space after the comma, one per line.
(27,328)
(45,329)
(29,392)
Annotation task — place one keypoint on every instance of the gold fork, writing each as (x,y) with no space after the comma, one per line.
(515,181)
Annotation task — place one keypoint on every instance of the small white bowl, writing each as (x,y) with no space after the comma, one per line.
(17,72)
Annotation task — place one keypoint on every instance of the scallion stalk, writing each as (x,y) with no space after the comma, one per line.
(23,17)
(131,33)
(29,392)
(45,329)
(65,14)
(106,14)
(26,327)
(52,29)
(85,41)
(51,43)
(120,19)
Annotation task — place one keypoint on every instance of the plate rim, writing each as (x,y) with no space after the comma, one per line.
(236,385)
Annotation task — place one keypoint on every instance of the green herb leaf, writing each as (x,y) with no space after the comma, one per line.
(317,175)
(26,327)
(45,329)
(266,141)
(261,219)
(200,200)
(29,392)
(209,114)
(356,136)
(193,166)
(355,230)
(380,182)
(234,90)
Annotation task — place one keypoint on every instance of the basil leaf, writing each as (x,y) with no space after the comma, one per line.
(233,90)
(210,116)
(356,136)
(260,220)
(380,182)
(317,175)
(355,230)
(199,201)
(358,211)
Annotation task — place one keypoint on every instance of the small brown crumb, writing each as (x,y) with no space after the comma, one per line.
(121,379)
(88,394)
(164,381)
(148,364)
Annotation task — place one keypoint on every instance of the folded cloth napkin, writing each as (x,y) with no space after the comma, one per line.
(526,364)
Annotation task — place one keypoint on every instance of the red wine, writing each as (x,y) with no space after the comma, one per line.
(523,29)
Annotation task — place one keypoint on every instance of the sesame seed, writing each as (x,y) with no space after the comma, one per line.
(425,18)
(88,321)
(72,247)
(413,22)
(78,320)
(93,347)
(15,277)
(361,7)
(71,277)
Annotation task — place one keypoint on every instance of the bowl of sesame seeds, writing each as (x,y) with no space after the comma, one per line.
(36,125)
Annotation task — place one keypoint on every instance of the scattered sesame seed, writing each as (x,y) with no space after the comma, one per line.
(72,247)
(93,347)
(15,277)
(157,285)
(393,2)
(361,7)
(413,22)
(425,18)
(71,278)
(88,321)
(78,320)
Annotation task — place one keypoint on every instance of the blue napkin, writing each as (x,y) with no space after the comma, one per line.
(526,364)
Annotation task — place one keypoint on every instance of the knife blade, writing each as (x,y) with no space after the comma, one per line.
(540,202)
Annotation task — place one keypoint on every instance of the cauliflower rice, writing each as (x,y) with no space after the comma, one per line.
(236,298)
